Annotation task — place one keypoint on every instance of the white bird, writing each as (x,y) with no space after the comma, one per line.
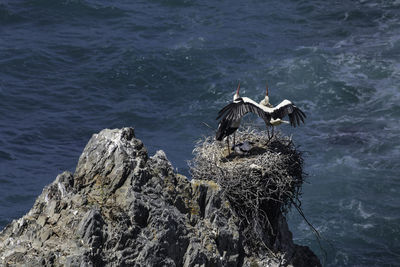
(231,115)
(273,122)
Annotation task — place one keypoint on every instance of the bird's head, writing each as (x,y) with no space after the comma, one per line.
(236,96)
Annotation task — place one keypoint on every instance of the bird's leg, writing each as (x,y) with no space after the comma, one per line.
(234,142)
(269,137)
(272,131)
(227,140)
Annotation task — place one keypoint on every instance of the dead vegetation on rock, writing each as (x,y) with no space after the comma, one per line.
(261,185)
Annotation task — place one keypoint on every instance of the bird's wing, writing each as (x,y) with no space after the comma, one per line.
(240,107)
(288,108)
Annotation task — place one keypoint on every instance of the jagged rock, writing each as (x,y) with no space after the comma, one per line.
(123,208)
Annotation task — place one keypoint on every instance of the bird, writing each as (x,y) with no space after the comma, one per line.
(265,102)
(284,108)
(275,121)
(232,114)
(231,122)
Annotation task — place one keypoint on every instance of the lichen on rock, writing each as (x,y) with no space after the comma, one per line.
(123,208)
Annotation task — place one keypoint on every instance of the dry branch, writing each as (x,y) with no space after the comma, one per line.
(259,186)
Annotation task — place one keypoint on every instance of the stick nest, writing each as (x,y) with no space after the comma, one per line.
(260,186)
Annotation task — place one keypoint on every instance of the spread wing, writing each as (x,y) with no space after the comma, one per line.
(288,108)
(240,107)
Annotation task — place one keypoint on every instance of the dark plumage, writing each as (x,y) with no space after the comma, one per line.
(224,129)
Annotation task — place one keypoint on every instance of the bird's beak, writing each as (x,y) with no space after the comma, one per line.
(238,88)
(267,90)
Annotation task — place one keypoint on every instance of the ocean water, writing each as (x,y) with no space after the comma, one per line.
(70,68)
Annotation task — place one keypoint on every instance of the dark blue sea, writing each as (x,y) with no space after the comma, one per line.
(71,68)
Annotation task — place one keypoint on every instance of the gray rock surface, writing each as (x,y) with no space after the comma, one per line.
(123,208)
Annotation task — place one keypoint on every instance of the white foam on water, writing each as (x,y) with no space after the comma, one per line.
(348,160)
(190,43)
(310,48)
(356,206)
(345,206)
(361,211)
(341,259)
(364,226)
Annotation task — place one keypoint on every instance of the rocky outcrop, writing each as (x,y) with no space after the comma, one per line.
(123,208)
